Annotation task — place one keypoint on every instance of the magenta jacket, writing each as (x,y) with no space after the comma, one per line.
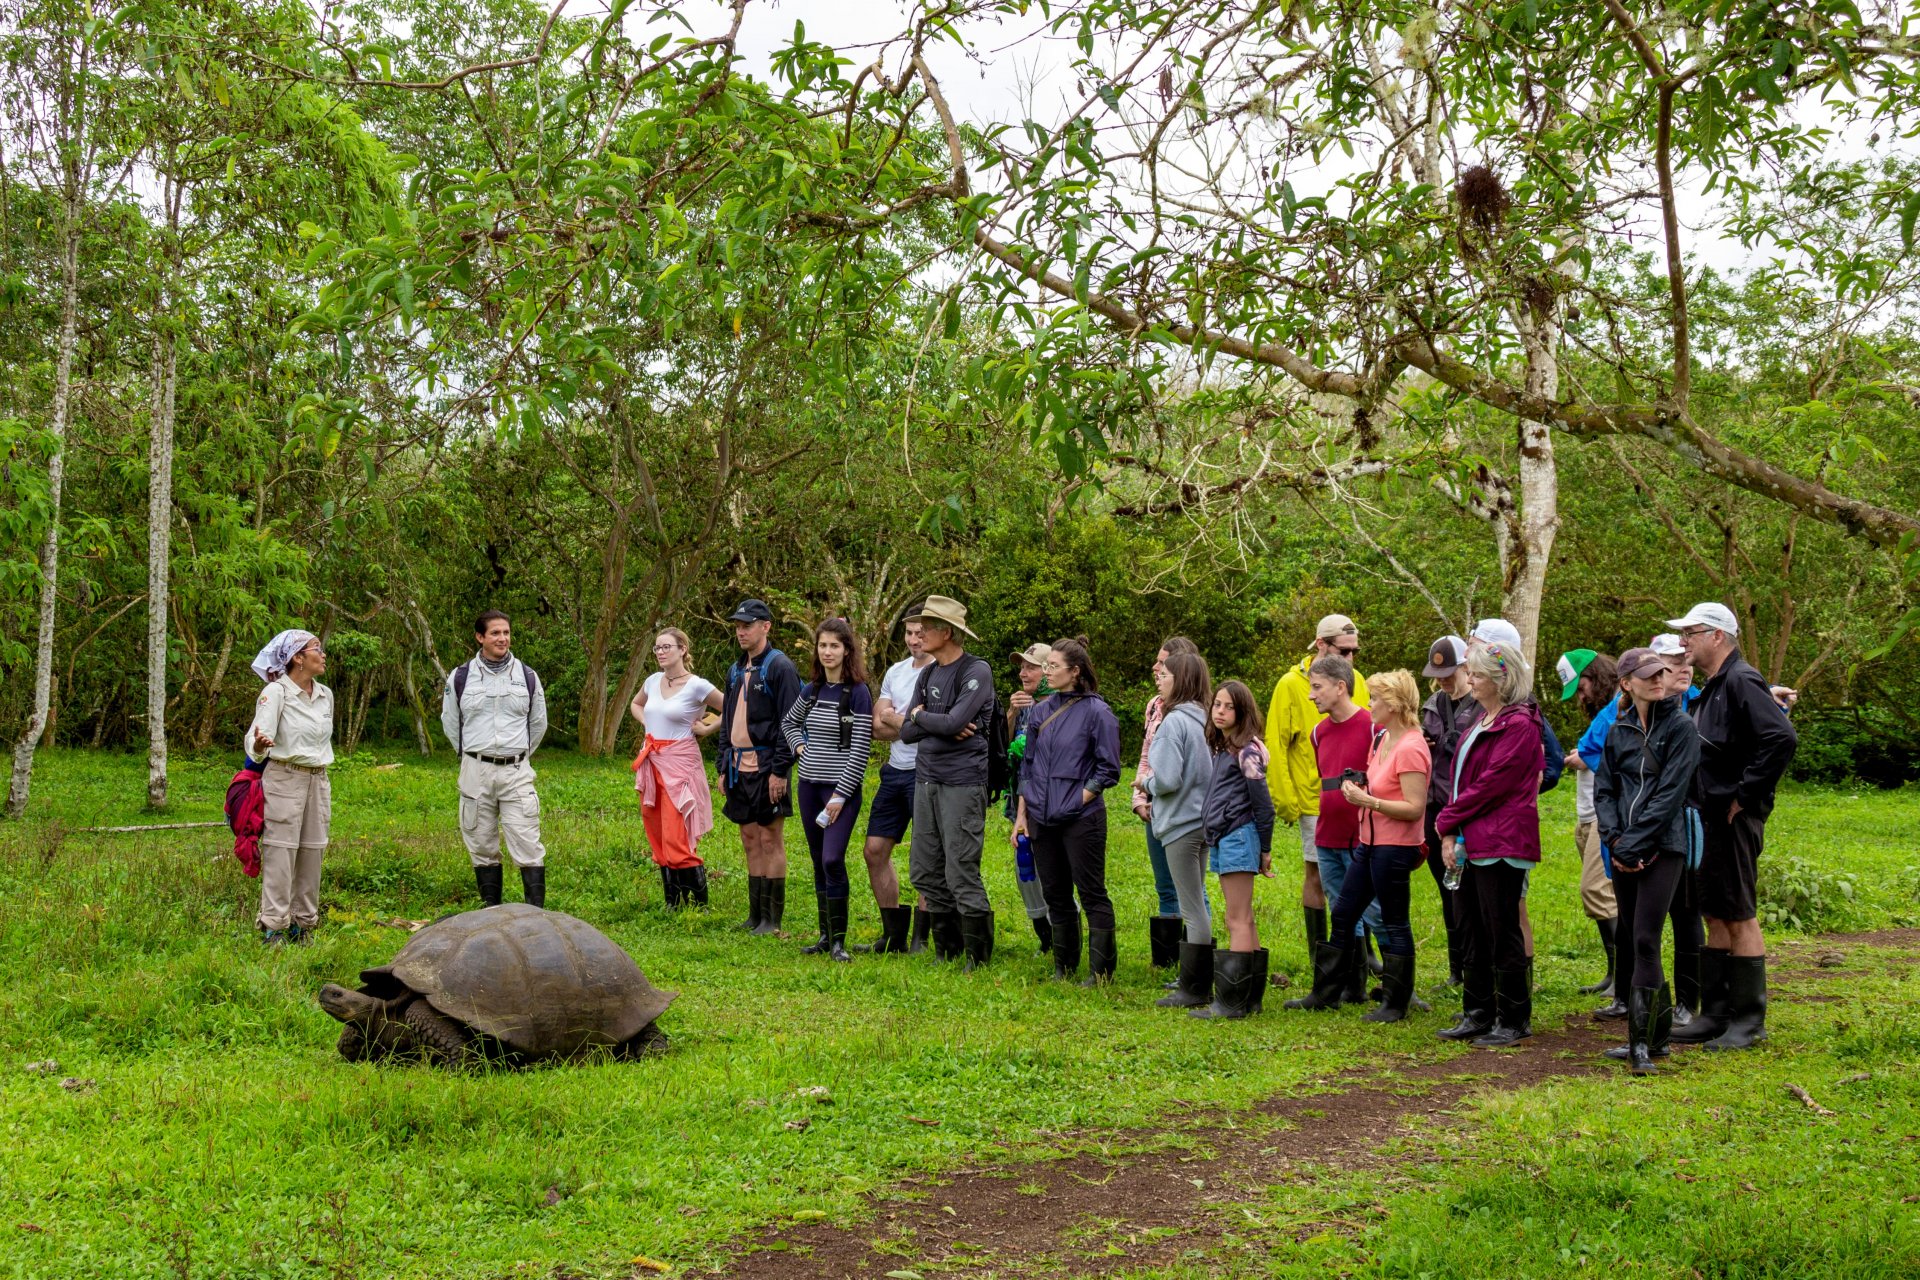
(1495,808)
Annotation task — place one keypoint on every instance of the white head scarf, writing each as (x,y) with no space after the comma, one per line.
(272,661)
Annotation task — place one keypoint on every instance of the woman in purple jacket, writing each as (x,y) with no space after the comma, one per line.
(1073,756)
(1492,824)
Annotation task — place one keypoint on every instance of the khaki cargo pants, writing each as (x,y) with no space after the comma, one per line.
(1596,891)
(498,803)
(299,811)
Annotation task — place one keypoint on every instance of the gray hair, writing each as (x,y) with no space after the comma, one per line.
(1508,670)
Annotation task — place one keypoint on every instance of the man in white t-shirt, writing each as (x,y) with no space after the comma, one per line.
(892,811)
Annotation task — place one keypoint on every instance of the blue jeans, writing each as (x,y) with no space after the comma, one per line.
(1378,878)
(1333,875)
(1162,876)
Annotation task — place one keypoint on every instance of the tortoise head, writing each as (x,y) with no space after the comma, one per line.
(375,1029)
(351,1006)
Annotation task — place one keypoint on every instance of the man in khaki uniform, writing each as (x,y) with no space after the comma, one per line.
(494,711)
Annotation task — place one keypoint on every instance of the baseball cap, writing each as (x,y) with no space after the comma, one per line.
(1335,624)
(1035,654)
(1571,664)
(1667,645)
(1708,614)
(1642,662)
(1497,631)
(751,611)
(1445,657)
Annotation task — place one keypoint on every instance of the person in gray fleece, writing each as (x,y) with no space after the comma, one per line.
(1181,764)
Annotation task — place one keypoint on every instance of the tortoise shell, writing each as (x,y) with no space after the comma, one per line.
(542,983)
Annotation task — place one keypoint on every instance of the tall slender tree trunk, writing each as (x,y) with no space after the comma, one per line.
(29,741)
(210,714)
(1531,553)
(159,551)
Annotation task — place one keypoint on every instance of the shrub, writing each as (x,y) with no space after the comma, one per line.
(1797,894)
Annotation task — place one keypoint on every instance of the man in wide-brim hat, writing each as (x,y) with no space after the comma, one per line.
(949,716)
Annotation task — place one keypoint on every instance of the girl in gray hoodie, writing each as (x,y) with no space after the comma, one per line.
(1181,765)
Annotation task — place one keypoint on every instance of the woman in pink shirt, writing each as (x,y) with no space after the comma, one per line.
(1392,804)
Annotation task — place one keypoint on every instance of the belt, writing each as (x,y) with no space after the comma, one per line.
(497,759)
(302,768)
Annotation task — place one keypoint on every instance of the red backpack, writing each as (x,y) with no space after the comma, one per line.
(247,815)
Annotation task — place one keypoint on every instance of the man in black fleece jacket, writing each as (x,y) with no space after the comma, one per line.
(948,717)
(1746,743)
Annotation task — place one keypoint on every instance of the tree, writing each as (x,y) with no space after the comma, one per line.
(1360,221)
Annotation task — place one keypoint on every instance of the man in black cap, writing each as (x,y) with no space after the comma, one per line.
(755,760)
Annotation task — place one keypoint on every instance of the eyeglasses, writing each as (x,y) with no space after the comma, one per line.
(1344,652)
(1691,632)
(668,647)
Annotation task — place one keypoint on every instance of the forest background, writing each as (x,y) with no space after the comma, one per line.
(368,316)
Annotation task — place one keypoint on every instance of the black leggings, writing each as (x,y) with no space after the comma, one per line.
(1495,948)
(828,845)
(1382,871)
(1073,855)
(1645,897)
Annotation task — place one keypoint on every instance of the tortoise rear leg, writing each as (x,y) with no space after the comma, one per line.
(443,1040)
(649,1041)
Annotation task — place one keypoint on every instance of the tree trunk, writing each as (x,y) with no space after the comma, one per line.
(422,739)
(1539,490)
(29,741)
(159,550)
(210,716)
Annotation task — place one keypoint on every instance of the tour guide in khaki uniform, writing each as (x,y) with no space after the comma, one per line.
(1294,769)
(292,732)
(494,711)
(762,685)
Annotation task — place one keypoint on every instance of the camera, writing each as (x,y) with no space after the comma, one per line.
(1358,777)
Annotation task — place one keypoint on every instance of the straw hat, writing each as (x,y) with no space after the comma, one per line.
(946,611)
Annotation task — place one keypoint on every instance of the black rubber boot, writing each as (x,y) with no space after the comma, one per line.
(1195,983)
(1066,949)
(1103,956)
(1368,952)
(1332,966)
(1316,918)
(773,905)
(818,947)
(488,881)
(695,879)
(1256,998)
(1711,1015)
(1604,987)
(1163,935)
(1396,989)
(1476,1006)
(948,940)
(922,929)
(533,886)
(1235,986)
(894,925)
(1686,986)
(1512,1009)
(1043,930)
(1659,1027)
(1640,1002)
(1746,1002)
(670,887)
(1356,988)
(837,930)
(756,893)
(976,937)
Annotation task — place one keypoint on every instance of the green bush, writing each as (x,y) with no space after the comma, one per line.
(1799,895)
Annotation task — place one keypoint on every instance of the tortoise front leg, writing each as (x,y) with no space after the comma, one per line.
(445,1042)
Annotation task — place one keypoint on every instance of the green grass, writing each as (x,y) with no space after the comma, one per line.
(223,1137)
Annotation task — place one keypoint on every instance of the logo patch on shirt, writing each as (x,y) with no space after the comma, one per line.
(973,684)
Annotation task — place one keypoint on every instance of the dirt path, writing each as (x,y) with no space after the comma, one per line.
(1068,1216)
(1091,1216)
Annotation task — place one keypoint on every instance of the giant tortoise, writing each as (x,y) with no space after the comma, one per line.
(510,983)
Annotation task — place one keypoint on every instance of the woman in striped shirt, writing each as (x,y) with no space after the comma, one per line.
(830,728)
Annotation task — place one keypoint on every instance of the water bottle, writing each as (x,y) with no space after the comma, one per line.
(1454,873)
(1023,858)
(823,819)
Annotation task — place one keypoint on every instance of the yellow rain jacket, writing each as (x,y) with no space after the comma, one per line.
(1293,776)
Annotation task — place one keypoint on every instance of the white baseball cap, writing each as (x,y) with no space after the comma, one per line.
(1715,616)
(1497,631)
(1667,645)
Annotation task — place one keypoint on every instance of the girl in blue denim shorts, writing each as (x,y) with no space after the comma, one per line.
(1239,827)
